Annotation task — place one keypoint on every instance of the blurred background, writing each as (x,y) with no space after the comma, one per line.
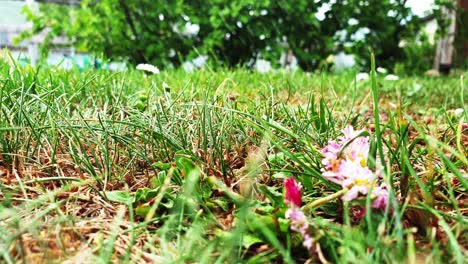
(407,36)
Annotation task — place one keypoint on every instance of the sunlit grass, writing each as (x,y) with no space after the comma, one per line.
(181,167)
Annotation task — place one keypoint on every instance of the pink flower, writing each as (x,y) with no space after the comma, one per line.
(308,242)
(357,179)
(357,212)
(298,219)
(293,192)
(464,126)
(349,133)
(334,176)
(300,224)
(331,150)
(345,163)
(358,149)
(380,196)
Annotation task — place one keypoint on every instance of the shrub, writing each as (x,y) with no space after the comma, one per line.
(232,33)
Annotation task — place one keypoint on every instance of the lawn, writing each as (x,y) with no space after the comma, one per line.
(98,166)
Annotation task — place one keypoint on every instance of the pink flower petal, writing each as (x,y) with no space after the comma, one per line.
(350,195)
(293,192)
(380,195)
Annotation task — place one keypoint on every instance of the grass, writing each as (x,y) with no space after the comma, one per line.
(174,168)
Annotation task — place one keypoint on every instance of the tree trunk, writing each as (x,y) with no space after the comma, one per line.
(444,53)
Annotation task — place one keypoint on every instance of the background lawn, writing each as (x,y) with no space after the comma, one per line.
(177,167)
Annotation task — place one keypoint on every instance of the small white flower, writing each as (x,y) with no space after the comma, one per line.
(200,61)
(414,89)
(263,66)
(353,22)
(360,34)
(148,67)
(392,77)
(362,76)
(191,29)
(172,53)
(402,43)
(458,112)
(321,12)
(381,70)
(343,61)
(188,66)
(392,13)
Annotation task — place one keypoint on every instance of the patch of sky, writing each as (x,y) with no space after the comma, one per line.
(420,7)
(321,12)
(360,34)
(353,22)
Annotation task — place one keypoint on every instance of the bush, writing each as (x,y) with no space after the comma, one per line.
(233,33)
(418,57)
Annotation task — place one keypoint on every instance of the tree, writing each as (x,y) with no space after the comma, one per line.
(232,32)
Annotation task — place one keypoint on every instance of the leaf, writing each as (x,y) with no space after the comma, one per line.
(257,222)
(249,239)
(307,182)
(276,157)
(272,194)
(191,172)
(120,197)
(145,194)
(284,224)
(223,234)
(221,202)
(142,210)
(282,175)
(161,165)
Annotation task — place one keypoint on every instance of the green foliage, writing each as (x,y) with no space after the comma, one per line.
(418,57)
(233,33)
(387,22)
